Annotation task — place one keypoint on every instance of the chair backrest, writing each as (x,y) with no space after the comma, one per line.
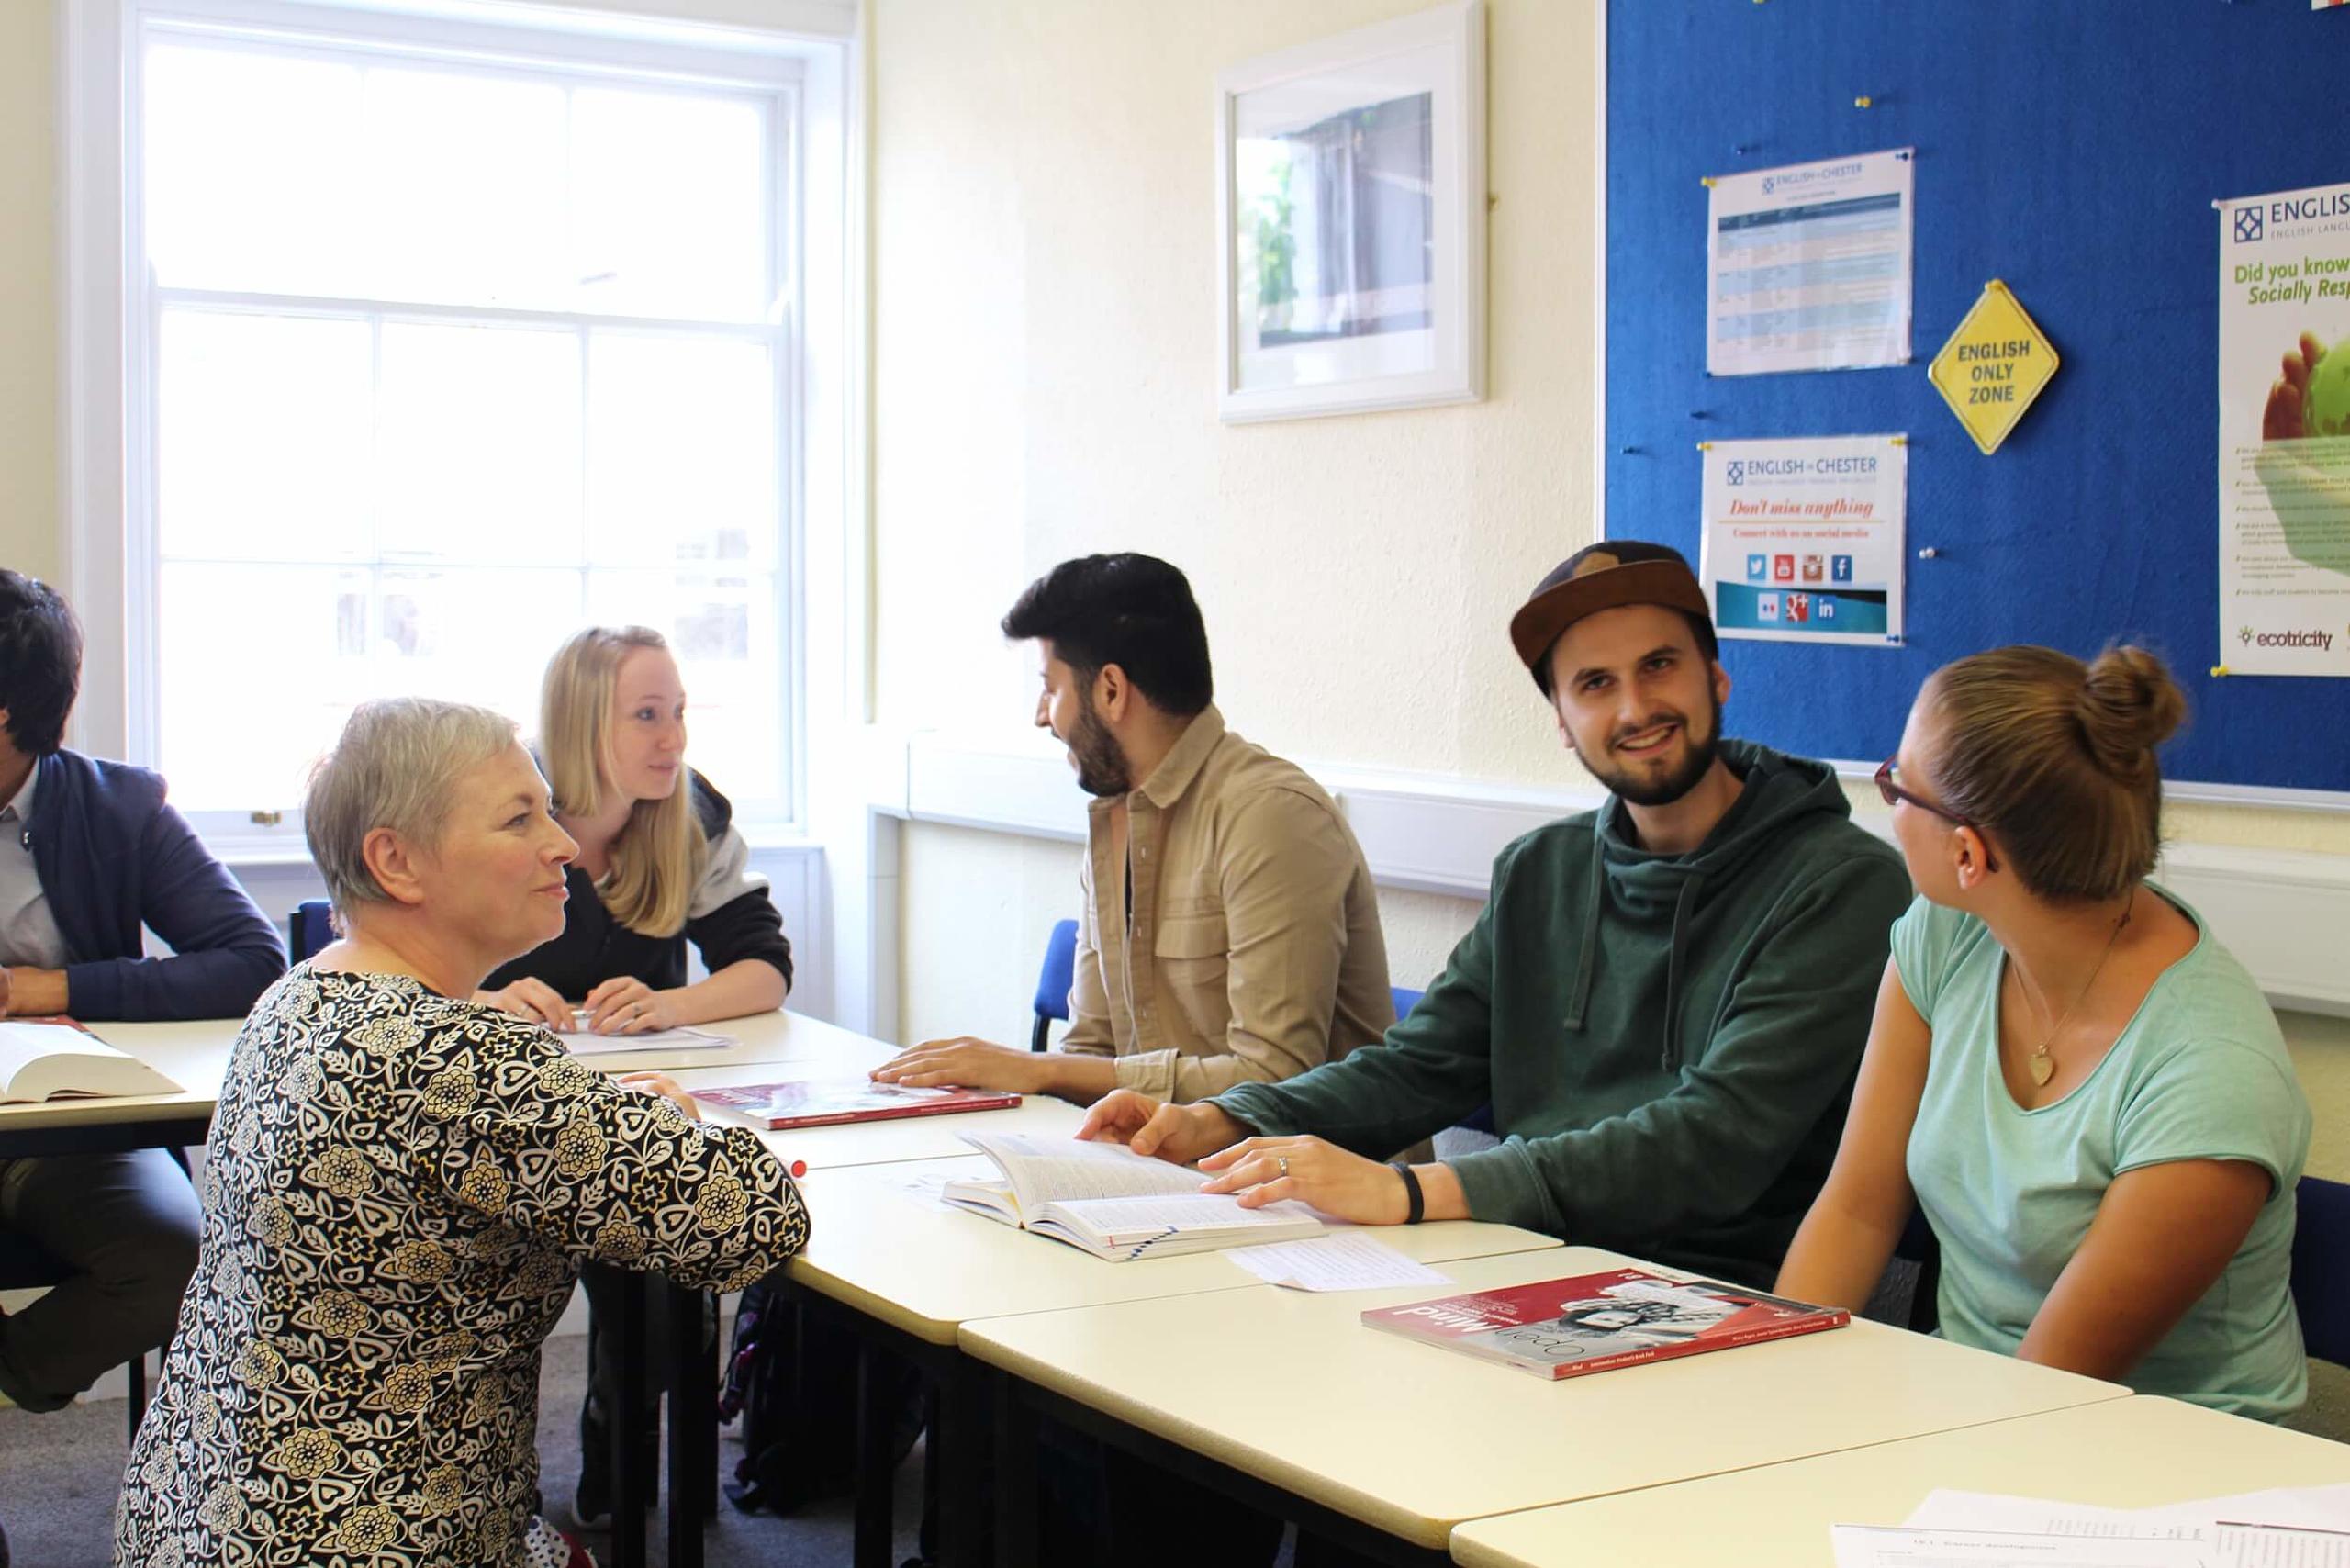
(310,928)
(1053,983)
(1479,1120)
(1406,1000)
(2321,1268)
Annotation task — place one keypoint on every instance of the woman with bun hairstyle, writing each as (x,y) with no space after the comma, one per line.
(660,865)
(2084,1091)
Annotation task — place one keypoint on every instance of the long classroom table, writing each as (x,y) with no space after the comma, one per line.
(2123,1453)
(1388,1445)
(908,1275)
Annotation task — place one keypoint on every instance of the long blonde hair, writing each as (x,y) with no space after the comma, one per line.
(658,854)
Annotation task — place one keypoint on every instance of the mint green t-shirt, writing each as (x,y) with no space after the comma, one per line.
(2199,1073)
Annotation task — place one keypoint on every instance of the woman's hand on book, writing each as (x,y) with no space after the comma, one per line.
(965,1063)
(1313,1170)
(1177,1134)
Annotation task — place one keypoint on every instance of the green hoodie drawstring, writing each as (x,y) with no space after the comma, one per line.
(1669,1052)
(1588,966)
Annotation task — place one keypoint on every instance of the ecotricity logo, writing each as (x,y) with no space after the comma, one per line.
(2319,640)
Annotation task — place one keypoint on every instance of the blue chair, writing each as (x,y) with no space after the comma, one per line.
(1479,1120)
(27,1267)
(310,927)
(1053,983)
(2321,1268)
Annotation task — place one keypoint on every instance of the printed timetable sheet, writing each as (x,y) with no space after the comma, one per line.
(1808,266)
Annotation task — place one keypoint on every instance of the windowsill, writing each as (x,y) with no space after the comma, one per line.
(255,855)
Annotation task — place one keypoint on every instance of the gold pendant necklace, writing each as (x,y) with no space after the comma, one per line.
(2042,1066)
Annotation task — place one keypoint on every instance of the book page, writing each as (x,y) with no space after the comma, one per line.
(1052,1170)
(38,1060)
(1190,1212)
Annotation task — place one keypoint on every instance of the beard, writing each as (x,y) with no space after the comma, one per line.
(1100,761)
(1638,786)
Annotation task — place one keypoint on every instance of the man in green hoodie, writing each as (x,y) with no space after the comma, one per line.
(1663,1000)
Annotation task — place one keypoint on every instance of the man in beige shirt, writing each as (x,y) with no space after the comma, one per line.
(1228,932)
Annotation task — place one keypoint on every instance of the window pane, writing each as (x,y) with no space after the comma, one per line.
(670,204)
(262,433)
(332,638)
(465,175)
(248,700)
(248,171)
(681,451)
(729,645)
(478,445)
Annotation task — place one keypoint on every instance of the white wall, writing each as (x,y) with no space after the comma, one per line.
(1044,385)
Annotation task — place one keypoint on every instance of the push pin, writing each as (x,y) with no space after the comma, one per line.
(1928,553)
(1864,101)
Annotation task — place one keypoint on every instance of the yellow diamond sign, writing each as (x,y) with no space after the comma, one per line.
(1993,366)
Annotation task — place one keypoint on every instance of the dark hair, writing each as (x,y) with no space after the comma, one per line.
(1135,611)
(2056,758)
(40,662)
(1700,628)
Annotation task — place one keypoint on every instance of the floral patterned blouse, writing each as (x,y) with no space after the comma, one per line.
(399,1190)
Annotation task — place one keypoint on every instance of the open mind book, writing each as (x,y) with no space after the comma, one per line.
(1113,1203)
(1596,1322)
(64,1060)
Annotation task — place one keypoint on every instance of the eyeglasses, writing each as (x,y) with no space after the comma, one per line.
(1893,794)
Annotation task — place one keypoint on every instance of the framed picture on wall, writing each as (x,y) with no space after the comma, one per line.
(1351,212)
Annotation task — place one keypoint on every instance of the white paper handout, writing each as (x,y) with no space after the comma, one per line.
(1807,267)
(1343,1260)
(2286,1528)
(582,1043)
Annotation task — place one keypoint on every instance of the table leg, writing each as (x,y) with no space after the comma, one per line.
(692,1416)
(876,1377)
(960,1450)
(626,1421)
(1016,1502)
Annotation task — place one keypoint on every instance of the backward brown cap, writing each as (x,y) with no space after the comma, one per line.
(1602,577)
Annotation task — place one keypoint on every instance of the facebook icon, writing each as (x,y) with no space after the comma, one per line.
(1841,569)
(1758,567)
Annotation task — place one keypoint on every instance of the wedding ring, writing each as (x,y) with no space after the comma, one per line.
(1280,1163)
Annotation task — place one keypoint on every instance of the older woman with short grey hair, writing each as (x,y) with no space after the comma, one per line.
(401,1186)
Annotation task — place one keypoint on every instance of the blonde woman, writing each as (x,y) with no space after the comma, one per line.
(2082,1088)
(659,865)
(399,1187)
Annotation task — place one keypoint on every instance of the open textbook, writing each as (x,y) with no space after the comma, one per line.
(1113,1203)
(58,1061)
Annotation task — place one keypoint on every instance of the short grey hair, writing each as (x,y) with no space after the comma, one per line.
(396,766)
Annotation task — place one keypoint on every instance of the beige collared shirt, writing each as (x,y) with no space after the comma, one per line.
(1254,950)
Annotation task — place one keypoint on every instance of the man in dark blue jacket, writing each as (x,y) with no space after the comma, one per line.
(89,853)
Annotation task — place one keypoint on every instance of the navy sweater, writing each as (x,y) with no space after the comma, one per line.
(112,856)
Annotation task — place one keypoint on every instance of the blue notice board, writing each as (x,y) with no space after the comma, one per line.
(2071,148)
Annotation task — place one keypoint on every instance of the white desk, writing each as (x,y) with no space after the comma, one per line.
(1414,1439)
(907,1276)
(2123,1453)
(926,1271)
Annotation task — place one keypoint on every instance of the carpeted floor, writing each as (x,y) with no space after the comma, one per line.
(59,1475)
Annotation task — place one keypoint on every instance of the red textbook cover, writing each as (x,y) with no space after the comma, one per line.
(1597,1322)
(821,1103)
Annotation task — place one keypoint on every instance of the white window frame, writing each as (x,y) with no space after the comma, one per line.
(805,50)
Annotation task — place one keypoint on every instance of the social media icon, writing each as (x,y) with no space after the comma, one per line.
(1798,607)
(1843,567)
(1815,568)
(1757,568)
(1823,607)
(1766,605)
(1783,568)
